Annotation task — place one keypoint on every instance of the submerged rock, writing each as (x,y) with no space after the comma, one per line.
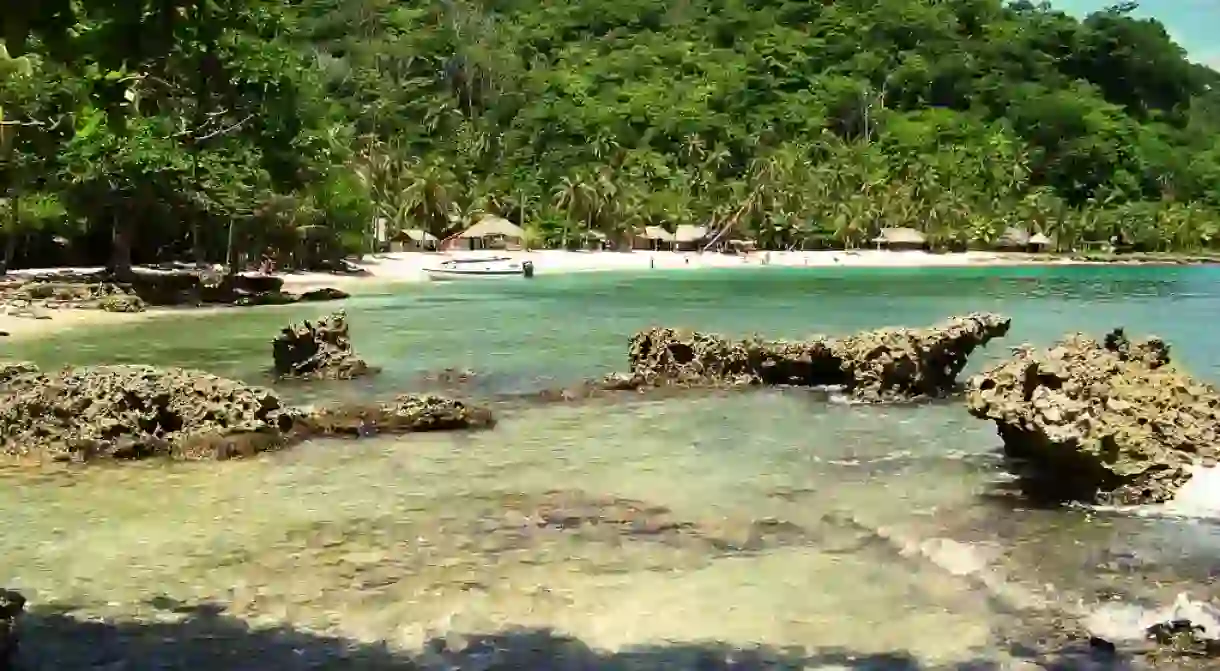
(1184,629)
(323,294)
(133,412)
(323,350)
(876,365)
(1099,422)
(13,371)
(122,304)
(405,414)
(12,605)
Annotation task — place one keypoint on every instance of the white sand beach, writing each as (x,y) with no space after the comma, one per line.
(62,320)
(407,267)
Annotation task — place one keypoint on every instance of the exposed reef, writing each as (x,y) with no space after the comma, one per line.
(881,365)
(138,412)
(39,296)
(321,350)
(1109,422)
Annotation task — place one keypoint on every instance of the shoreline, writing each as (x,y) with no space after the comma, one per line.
(380,271)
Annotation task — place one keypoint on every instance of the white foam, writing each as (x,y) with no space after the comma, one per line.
(1127,622)
(1199,497)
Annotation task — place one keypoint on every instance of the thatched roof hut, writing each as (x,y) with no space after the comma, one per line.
(492,226)
(1014,237)
(416,235)
(1040,240)
(657,233)
(688,233)
(413,239)
(900,237)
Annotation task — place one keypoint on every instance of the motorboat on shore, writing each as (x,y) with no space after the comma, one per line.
(481,268)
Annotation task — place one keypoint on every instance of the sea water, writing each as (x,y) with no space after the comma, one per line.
(818,535)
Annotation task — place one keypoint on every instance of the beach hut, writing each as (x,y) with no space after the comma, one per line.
(900,238)
(413,240)
(652,237)
(1040,243)
(1014,239)
(491,232)
(689,237)
(593,240)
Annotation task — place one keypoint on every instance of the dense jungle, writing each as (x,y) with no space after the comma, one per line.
(137,131)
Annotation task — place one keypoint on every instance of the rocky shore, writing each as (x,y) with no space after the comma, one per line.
(881,365)
(1101,422)
(138,412)
(39,296)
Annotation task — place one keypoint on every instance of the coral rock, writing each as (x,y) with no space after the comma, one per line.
(875,365)
(1107,422)
(323,350)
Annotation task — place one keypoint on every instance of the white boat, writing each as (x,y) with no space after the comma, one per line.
(480,268)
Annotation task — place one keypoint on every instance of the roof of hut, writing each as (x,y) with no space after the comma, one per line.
(688,233)
(416,234)
(901,235)
(492,225)
(1040,239)
(1014,236)
(657,233)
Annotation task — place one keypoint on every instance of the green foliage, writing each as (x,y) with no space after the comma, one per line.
(172,123)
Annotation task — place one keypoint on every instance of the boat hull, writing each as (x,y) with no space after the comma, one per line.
(442,274)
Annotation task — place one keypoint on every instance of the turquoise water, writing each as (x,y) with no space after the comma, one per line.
(898,542)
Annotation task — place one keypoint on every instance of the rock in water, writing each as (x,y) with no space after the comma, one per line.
(12,372)
(323,294)
(133,412)
(405,414)
(318,351)
(12,604)
(876,365)
(1099,422)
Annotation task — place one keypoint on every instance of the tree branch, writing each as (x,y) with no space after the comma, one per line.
(224,131)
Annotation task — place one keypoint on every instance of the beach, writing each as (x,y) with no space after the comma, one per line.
(769,519)
(409,266)
(379,270)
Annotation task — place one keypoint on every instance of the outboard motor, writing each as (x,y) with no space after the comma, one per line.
(527,269)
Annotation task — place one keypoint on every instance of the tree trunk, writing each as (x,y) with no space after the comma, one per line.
(197,247)
(10,250)
(10,239)
(120,254)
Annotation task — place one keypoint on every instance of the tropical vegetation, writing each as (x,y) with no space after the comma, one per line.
(142,130)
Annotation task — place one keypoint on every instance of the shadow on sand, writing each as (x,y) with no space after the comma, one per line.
(204,638)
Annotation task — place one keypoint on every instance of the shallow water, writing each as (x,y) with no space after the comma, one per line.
(869,537)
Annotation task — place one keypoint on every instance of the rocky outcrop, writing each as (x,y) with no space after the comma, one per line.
(36,299)
(1107,422)
(405,414)
(885,364)
(180,287)
(135,412)
(12,605)
(321,350)
(139,412)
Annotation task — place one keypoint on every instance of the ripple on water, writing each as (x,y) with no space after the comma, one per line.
(770,518)
(618,524)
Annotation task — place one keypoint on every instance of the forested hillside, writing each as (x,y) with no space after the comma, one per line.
(173,128)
